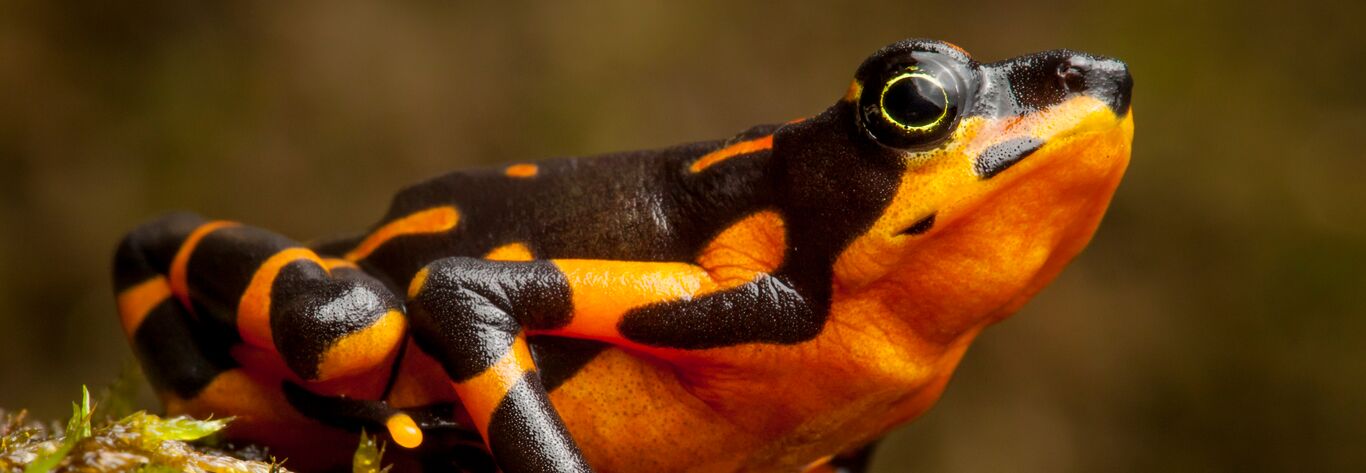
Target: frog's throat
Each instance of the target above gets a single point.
(996, 240)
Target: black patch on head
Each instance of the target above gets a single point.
(1041, 80)
(1003, 155)
(527, 435)
(921, 226)
(1035, 80)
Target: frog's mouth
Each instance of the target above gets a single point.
(1058, 193)
(1021, 223)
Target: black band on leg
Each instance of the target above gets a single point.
(525, 422)
(174, 355)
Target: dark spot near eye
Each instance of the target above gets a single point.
(1004, 155)
(924, 225)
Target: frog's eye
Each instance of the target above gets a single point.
(911, 108)
(914, 101)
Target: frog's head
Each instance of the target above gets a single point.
(987, 178)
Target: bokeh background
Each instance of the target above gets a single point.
(1216, 322)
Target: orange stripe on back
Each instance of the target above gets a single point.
(510, 252)
(737, 149)
(433, 220)
(415, 284)
(137, 301)
(180, 285)
(521, 170)
(334, 263)
(253, 310)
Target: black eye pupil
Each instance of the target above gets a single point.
(912, 106)
(914, 101)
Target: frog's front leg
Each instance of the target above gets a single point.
(470, 314)
(473, 315)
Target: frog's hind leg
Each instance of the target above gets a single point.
(263, 295)
(220, 315)
(178, 356)
(198, 298)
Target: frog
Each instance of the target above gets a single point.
(775, 301)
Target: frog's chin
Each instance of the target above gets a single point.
(1084, 170)
(990, 255)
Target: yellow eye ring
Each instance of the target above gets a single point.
(914, 74)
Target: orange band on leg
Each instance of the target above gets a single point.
(482, 393)
(137, 301)
(180, 285)
(253, 310)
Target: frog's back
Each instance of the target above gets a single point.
(631, 206)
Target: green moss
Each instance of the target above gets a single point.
(368, 456)
(94, 441)
(137, 442)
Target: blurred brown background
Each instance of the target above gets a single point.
(1216, 322)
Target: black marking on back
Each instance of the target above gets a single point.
(824, 177)
(622, 206)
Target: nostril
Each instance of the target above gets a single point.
(1072, 74)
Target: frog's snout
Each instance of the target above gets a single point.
(1041, 80)
(1106, 79)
